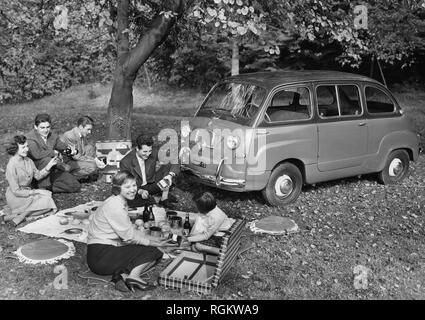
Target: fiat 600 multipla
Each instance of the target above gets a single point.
(276, 131)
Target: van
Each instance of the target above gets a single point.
(276, 131)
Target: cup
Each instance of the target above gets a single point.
(155, 231)
(170, 214)
(175, 222)
(165, 228)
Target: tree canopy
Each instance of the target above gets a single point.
(47, 46)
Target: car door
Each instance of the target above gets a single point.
(342, 127)
(287, 122)
(384, 116)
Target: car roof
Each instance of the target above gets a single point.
(270, 80)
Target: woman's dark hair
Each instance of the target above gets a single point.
(119, 179)
(13, 147)
(85, 120)
(42, 117)
(143, 140)
(205, 202)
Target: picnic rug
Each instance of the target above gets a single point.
(273, 225)
(46, 251)
(50, 226)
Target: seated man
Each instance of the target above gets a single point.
(43, 145)
(84, 163)
(141, 163)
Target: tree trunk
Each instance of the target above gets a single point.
(148, 77)
(372, 65)
(120, 106)
(235, 57)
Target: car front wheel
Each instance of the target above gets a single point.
(396, 167)
(284, 185)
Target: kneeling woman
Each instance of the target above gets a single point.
(115, 247)
(20, 171)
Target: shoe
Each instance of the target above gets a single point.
(134, 284)
(93, 177)
(84, 179)
(16, 224)
(120, 285)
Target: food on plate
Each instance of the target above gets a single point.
(73, 231)
(81, 214)
(63, 221)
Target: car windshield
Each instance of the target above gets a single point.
(237, 102)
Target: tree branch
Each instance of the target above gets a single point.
(154, 37)
(123, 42)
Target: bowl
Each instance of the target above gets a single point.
(155, 231)
(170, 214)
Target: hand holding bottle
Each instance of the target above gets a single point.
(54, 161)
(143, 193)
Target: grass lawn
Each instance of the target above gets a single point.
(342, 223)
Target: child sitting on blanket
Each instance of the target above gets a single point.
(205, 234)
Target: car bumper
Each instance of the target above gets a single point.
(215, 178)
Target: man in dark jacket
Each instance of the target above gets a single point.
(43, 145)
(142, 163)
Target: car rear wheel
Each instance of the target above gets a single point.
(284, 185)
(396, 167)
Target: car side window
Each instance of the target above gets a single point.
(377, 101)
(327, 101)
(339, 100)
(289, 104)
(349, 100)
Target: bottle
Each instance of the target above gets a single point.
(175, 238)
(186, 226)
(151, 216)
(146, 214)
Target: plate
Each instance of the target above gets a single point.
(73, 231)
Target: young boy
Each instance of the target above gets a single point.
(205, 234)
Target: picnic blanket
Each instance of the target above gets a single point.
(51, 227)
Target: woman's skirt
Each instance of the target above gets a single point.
(104, 259)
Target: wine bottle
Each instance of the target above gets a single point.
(186, 226)
(146, 214)
(151, 215)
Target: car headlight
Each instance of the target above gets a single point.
(233, 142)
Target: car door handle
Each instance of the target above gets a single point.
(361, 124)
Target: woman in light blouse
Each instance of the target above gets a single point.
(115, 247)
(20, 171)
